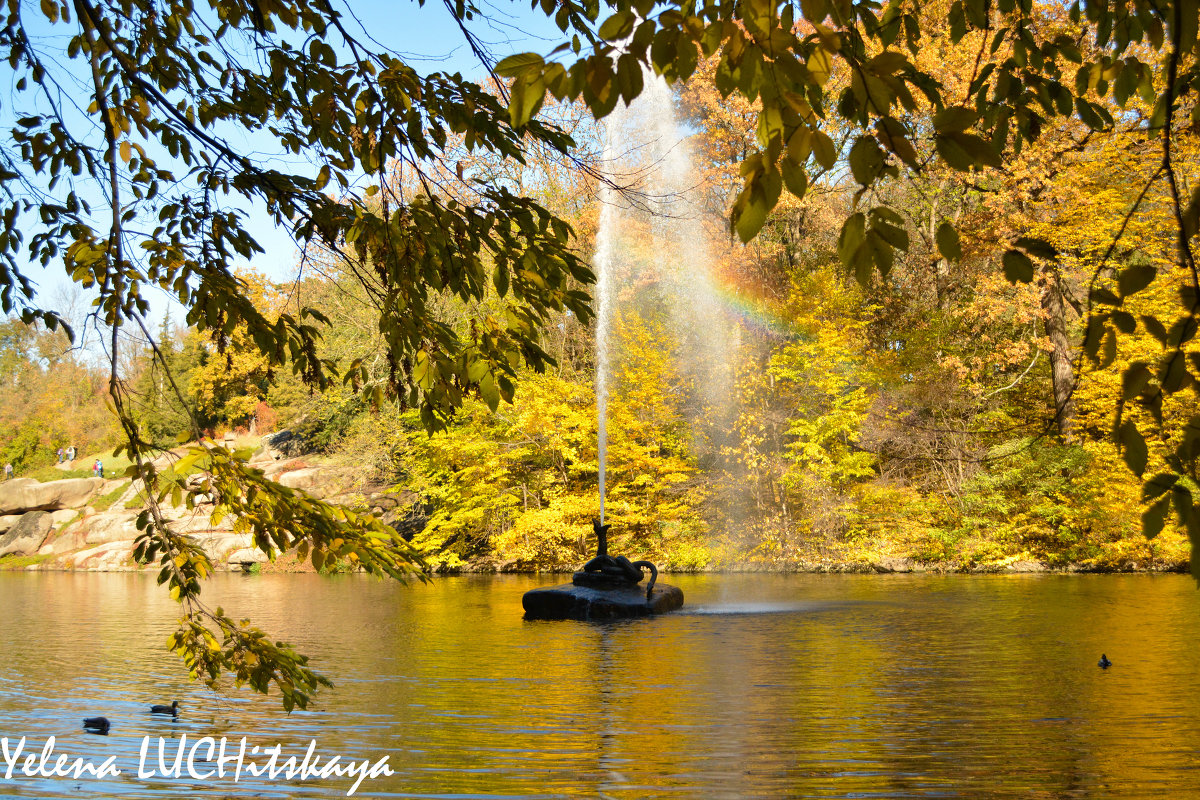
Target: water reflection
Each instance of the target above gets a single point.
(767, 686)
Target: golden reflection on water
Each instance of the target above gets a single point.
(764, 686)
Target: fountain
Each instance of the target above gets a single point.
(606, 588)
(644, 147)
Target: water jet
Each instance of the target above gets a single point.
(648, 196)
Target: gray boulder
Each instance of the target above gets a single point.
(26, 537)
(306, 478)
(893, 564)
(247, 555)
(280, 446)
(25, 494)
(65, 543)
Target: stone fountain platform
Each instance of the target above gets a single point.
(595, 597)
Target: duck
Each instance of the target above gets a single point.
(172, 709)
(96, 725)
(1104, 662)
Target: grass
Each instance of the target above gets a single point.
(105, 502)
(21, 562)
(114, 466)
(47, 474)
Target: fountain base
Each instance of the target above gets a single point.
(598, 597)
(606, 588)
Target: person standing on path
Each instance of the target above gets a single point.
(7, 471)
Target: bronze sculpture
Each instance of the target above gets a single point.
(608, 569)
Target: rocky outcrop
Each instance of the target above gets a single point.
(69, 534)
(26, 537)
(25, 494)
(108, 557)
(118, 526)
(327, 482)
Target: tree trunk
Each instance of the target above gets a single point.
(1062, 368)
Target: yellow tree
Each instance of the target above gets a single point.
(235, 375)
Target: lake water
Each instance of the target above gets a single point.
(762, 686)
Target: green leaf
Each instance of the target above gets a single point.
(528, 92)
(749, 213)
(618, 26)
(1174, 376)
(1154, 517)
(1123, 321)
(954, 119)
(820, 66)
(1181, 499)
(1189, 15)
(1017, 267)
(1088, 114)
(489, 392)
(892, 135)
(953, 154)
(947, 242)
(1037, 247)
(1182, 332)
(477, 370)
(1133, 447)
(421, 371)
(866, 160)
(889, 226)
(979, 151)
(1155, 328)
(1135, 379)
(852, 240)
(823, 149)
(1158, 485)
(1096, 327)
(795, 178)
(1135, 278)
(814, 10)
(520, 63)
(1191, 215)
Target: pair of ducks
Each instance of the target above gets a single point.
(101, 724)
